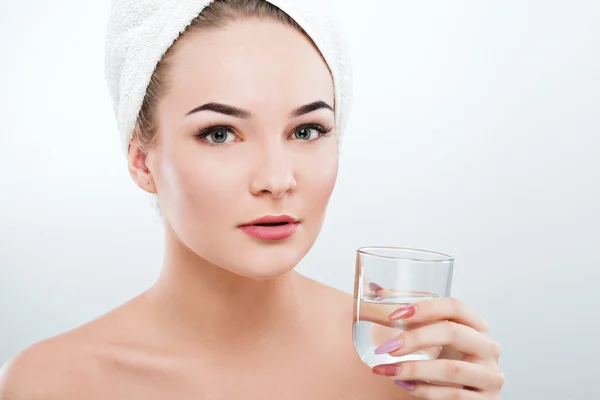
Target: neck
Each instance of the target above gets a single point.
(196, 299)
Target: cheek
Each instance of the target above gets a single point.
(316, 180)
(199, 188)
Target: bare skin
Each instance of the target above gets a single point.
(135, 352)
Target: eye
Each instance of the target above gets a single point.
(217, 135)
(309, 132)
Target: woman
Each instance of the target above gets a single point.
(237, 136)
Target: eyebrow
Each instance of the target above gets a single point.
(308, 108)
(245, 114)
(223, 109)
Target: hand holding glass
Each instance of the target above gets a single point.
(388, 279)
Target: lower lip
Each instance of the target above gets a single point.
(278, 232)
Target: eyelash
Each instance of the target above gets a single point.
(323, 132)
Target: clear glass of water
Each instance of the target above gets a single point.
(388, 278)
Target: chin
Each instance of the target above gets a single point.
(265, 260)
(268, 261)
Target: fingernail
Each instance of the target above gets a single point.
(404, 312)
(408, 385)
(374, 287)
(386, 369)
(390, 346)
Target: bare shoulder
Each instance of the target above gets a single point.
(44, 370)
(65, 366)
(330, 299)
(331, 312)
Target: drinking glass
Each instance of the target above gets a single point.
(388, 278)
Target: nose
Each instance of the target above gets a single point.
(273, 175)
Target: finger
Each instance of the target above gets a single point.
(378, 310)
(375, 290)
(377, 313)
(439, 309)
(428, 391)
(446, 333)
(444, 372)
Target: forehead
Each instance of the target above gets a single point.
(249, 63)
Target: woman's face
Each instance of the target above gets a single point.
(260, 143)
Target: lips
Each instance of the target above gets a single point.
(271, 227)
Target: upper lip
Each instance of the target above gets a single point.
(272, 219)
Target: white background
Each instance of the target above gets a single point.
(475, 131)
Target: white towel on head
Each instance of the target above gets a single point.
(141, 31)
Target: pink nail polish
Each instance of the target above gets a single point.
(386, 369)
(374, 287)
(408, 385)
(403, 313)
(390, 346)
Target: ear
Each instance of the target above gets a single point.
(138, 167)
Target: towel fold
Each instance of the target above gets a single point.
(140, 32)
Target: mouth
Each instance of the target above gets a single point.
(271, 227)
(272, 220)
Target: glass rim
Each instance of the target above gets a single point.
(367, 250)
